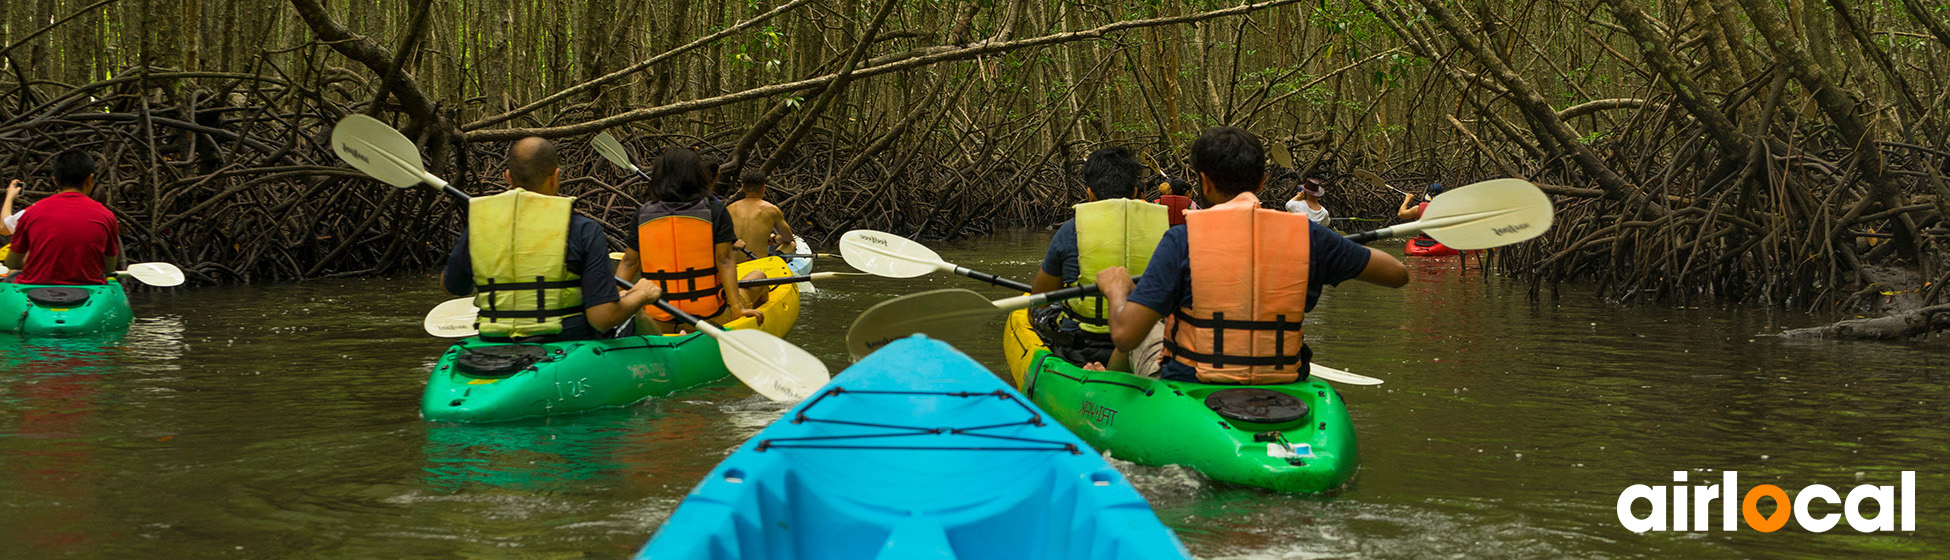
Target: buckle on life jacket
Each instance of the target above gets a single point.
(1256, 406)
(58, 296)
(499, 361)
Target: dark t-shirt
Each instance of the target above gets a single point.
(1061, 259)
(721, 226)
(1335, 260)
(66, 238)
(587, 255)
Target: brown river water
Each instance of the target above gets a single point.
(282, 421)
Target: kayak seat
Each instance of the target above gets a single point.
(1421, 242)
(499, 361)
(58, 296)
(1257, 406)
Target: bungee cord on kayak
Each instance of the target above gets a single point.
(803, 415)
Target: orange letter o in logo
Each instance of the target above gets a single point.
(1750, 510)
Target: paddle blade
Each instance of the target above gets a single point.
(1492, 213)
(885, 254)
(379, 151)
(613, 151)
(1339, 376)
(453, 318)
(771, 366)
(158, 274)
(938, 314)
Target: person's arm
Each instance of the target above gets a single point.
(1409, 210)
(112, 261)
(631, 267)
(728, 278)
(1049, 276)
(22, 244)
(7, 206)
(1129, 323)
(458, 277)
(606, 316)
(1044, 282)
(1384, 270)
(783, 230)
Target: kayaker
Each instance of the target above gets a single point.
(1235, 314)
(68, 238)
(1112, 229)
(545, 276)
(1410, 211)
(1175, 203)
(1307, 202)
(683, 242)
(758, 223)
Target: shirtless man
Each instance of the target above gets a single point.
(760, 224)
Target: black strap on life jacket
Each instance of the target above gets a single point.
(1102, 319)
(1219, 325)
(541, 287)
(689, 277)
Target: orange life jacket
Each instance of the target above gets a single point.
(674, 242)
(1249, 294)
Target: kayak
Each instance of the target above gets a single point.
(480, 381)
(915, 451)
(1295, 437)
(40, 310)
(803, 265)
(1425, 247)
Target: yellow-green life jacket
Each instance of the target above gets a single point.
(517, 240)
(1116, 232)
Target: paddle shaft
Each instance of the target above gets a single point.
(1408, 229)
(993, 279)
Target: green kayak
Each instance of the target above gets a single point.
(1295, 437)
(36, 310)
(480, 381)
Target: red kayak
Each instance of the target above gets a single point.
(1426, 247)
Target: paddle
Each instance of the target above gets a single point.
(1482, 215)
(805, 255)
(1374, 179)
(158, 274)
(771, 366)
(455, 318)
(892, 256)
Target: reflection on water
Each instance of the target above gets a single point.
(282, 421)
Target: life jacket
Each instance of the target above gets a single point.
(517, 241)
(677, 252)
(1423, 239)
(1176, 205)
(1249, 294)
(1116, 232)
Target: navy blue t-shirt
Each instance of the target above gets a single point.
(1061, 260)
(1335, 260)
(587, 255)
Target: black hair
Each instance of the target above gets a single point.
(753, 178)
(1180, 187)
(680, 176)
(73, 167)
(1232, 157)
(1112, 173)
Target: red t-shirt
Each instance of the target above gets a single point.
(66, 237)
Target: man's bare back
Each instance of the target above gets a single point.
(755, 221)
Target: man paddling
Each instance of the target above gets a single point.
(1113, 229)
(541, 269)
(758, 224)
(1410, 211)
(68, 238)
(1236, 279)
(683, 242)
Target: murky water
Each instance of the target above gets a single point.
(282, 421)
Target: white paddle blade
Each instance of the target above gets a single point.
(771, 366)
(613, 151)
(379, 151)
(453, 318)
(1492, 213)
(885, 254)
(799, 246)
(938, 314)
(1340, 376)
(158, 274)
